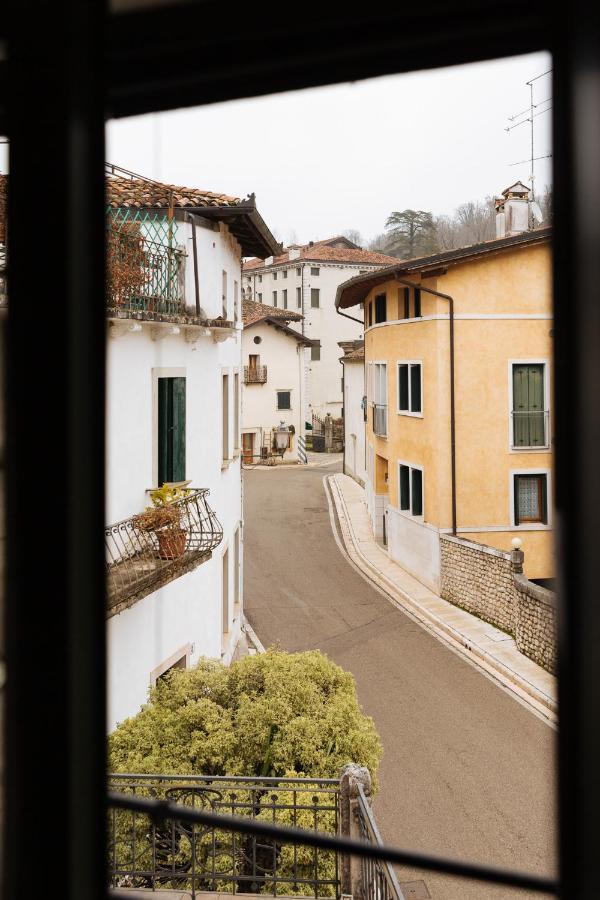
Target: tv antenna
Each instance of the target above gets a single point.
(528, 115)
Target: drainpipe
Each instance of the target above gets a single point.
(450, 300)
(192, 219)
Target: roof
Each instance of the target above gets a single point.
(323, 251)
(253, 312)
(355, 290)
(128, 191)
(355, 353)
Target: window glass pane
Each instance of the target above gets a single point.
(403, 387)
(415, 388)
(407, 303)
(274, 298)
(370, 308)
(530, 502)
(417, 293)
(404, 487)
(314, 297)
(417, 492)
(298, 297)
(315, 353)
(380, 308)
(283, 400)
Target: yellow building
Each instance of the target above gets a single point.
(458, 350)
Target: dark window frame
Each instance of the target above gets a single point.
(380, 302)
(542, 489)
(289, 406)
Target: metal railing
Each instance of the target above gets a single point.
(255, 374)
(143, 275)
(174, 854)
(530, 428)
(379, 881)
(137, 557)
(380, 419)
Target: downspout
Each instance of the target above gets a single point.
(450, 300)
(344, 413)
(192, 220)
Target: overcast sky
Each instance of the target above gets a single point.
(324, 160)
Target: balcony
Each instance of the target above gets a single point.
(380, 419)
(530, 429)
(140, 559)
(255, 374)
(176, 855)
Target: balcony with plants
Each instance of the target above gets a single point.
(174, 535)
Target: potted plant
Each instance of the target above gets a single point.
(164, 519)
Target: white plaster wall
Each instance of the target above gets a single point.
(284, 358)
(415, 546)
(354, 424)
(217, 251)
(188, 609)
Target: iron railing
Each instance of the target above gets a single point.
(174, 854)
(138, 558)
(255, 374)
(145, 265)
(380, 419)
(378, 879)
(530, 429)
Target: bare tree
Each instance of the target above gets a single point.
(355, 236)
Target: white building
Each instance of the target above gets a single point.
(355, 418)
(173, 415)
(273, 383)
(305, 279)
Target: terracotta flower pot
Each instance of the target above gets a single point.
(171, 542)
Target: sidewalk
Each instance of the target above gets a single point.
(484, 645)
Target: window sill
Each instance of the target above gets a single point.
(413, 415)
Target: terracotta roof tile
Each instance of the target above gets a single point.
(320, 251)
(140, 194)
(253, 312)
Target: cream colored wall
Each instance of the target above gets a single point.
(510, 284)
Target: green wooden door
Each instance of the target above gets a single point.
(528, 405)
(171, 430)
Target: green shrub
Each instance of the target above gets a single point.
(268, 714)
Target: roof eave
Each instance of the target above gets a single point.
(246, 223)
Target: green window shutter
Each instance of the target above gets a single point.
(416, 492)
(528, 405)
(415, 388)
(404, 487)
(178, 472)
(164, 461)
(403, 387)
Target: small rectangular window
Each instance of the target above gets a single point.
(370, 309)
(417, 296)
(403, 388)
(314, 298)
(285, 273)
(284, 399)
(274, 298)
(315, 352)
(225, 417)
(380, 308)
(260, 278)
(314, 270)
(409, 387)
(406, 303)
(284, 299)
(298, 270)
(171, 429)
(236, 300)
(299, 297)
(260, 298)
(224, 295)
(415, 388)
(531, 499)
(410, 489)
(274, 276)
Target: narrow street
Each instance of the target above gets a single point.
(467, 771)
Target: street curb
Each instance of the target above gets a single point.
(294, 467)
(527, 692)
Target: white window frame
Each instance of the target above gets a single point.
(237, 412)
(538, 361)
(407, 513)
(530, 526)
(408, 412)
(376, 395)
(226, 452)
(184, 653)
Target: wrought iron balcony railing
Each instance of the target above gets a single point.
(380, 419)
(179, 856)
(255, 374)
(139, 559)
(530, 429)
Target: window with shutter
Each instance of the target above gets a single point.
(417, 303)
(315, 298)
(528, 412)
(171, 430)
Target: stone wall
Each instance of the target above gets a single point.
(489, 583)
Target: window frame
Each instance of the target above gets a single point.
(316, 271)
(529, 525)
(407, 513)
(274, 298)
(380, 297)
(316, 347)
(409, 412)
(157, 373)
(283, 408)
(547, 446)
(316, 291)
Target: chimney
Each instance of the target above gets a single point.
(293, 253)
(269, 261)
(512, 210)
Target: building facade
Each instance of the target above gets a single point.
(355, 410)
(458, 350)
(273, 385)
(305, 279)
(173, 418)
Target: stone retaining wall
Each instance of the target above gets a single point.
(489, 583)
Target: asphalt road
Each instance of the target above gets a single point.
(467, 770)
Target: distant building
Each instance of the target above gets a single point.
(273, 384)
(355, 410)
(304, 279)
(488, 471)
(174, 370)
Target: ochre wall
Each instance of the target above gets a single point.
(512, 283)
